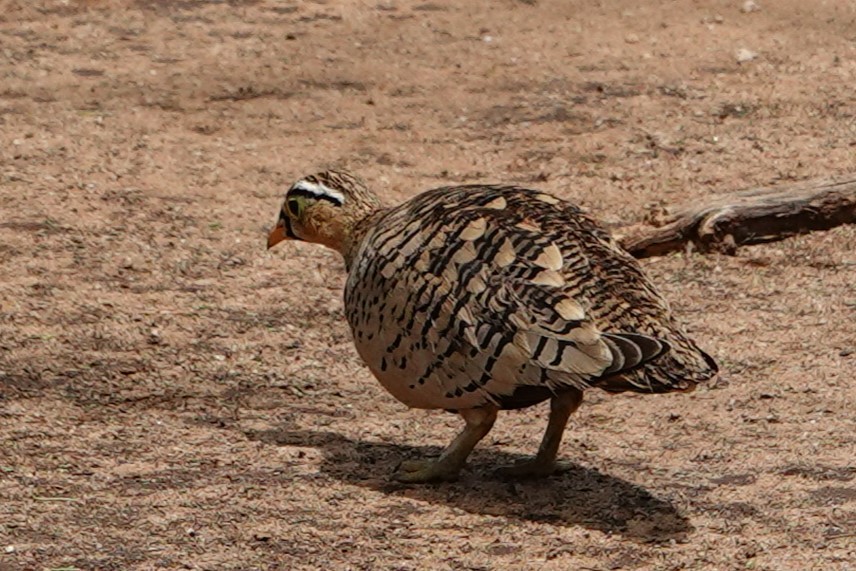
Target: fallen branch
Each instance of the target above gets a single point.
(751, 217)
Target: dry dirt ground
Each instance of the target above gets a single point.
(172, 396)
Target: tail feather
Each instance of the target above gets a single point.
(629, 350)
(679, 365)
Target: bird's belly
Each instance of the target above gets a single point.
(401, 377)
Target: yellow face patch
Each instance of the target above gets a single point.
(295, 205)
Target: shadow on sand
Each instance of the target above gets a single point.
(579, 496)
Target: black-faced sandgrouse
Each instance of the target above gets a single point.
(479, 298)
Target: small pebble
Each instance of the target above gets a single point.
(749, 6)
(744, 55)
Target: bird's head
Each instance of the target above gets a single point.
(323, 208)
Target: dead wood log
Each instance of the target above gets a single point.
(750, 217)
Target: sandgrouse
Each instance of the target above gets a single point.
(478, 298)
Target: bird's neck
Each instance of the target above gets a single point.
(356, 232)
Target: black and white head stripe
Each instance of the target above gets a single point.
(318, 191)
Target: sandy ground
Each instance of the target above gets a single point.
(172, 396)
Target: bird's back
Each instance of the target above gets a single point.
(466, 294)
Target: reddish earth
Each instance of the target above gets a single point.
(172, 396)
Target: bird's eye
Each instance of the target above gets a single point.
(293, 207)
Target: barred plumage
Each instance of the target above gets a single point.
(484, 297)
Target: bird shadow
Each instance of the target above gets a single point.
(578, 496)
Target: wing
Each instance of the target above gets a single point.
(529, 328)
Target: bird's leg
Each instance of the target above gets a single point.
(544, 463)
(451, 461)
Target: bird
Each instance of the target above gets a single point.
(485, 297)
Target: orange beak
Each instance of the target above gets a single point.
(279, 233)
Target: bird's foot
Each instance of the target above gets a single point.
(533, 468)
(425, 470)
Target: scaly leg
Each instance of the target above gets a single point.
(451, 461)
(544, 463)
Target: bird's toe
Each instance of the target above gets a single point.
(421, 471)
(417, 465)
(533, 468)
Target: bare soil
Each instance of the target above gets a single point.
(172, 396)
